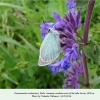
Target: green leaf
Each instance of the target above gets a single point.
(5, 76)
(8, 58)
(92, 51)
(95, 81)
(32, 47)
(81, 3)
(29, 15)
(30, 71)
(8, 84)
(10, 5)
(52, 7)
(9, 40)
(58, 6)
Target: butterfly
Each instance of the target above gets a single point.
(50, 48)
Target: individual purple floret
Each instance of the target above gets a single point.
(72, 76)
(59, 21)
(59, 66)
(55, 67)
(79, 66)
(72, 54)
(71, 4)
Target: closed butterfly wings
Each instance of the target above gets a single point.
(50, 48)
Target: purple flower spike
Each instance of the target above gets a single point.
(44, 28)
(67, 27)
(71, 4)
(71, 77)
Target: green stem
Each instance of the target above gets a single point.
(79, 36)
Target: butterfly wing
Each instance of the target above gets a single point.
(49, 50)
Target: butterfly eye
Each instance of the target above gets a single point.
(49, 30)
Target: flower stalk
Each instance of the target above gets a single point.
(86, 32)
(79, 36)
(88, 19)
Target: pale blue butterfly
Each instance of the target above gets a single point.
(50, 48)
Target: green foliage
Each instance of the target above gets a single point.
(20, 41)
(92, 51)
(56, 6)
(82, 3)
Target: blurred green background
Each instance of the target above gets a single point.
(20, 41)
